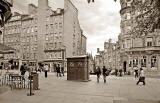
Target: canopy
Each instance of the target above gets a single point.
(5, 49)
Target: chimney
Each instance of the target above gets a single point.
(58, 10)
(43, 3)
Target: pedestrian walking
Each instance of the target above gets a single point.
(98, 72)
(116, 72)
(142, 77)
(58, 70)
(136, 72)
(22, 69)
(120, 72)
(104, 73)
(46, 68)
(62, 70)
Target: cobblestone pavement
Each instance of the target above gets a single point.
(58, 90)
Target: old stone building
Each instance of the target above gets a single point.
(99, 58)
(44, 35)
(140, 34)
(110, 56)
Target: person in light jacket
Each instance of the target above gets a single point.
(142, 77)
(46, 68)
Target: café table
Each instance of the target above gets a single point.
(17, 79)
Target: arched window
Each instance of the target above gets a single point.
(143, 61)
(135, 62)
(153, 61)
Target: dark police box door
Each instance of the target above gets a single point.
(77, 68)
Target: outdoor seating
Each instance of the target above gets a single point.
(17, 81)
(2, 78)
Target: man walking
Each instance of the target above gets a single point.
(98, 72)
(142, 77)
(104, 73)
(46, 70)
(58, 70)
(136, 72)
(22, 69)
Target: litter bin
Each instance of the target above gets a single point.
(35, 80)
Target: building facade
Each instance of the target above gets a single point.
(45, 35)
(140, 35)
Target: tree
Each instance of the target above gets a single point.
(90, 1)
(5, 12)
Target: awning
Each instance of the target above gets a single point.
(5, 49)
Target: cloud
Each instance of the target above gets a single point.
(100, 22)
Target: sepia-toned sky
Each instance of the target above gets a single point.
(99, 20)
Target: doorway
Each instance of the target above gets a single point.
(124, 66)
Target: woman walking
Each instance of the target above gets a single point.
(98, 72)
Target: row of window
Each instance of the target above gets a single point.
(53, 37)
(51, 46)
(143, 62)
(11, 39)
(29, 38)
(10, 56)
(138, 42)
(29, 48)
(29, 56)
(13, 30)
(29, 30)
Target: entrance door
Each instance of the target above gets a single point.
(124, 66)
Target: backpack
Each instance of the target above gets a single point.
(107, 73)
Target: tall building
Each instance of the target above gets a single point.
(140, 34)
(45, 35)
(111, 55)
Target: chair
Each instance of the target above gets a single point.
(2, 78)
(16, 81)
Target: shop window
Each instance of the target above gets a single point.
(153, 61)
(130, 63)
(149, 44)
(135, 62)
(128, 16)
(143, 61)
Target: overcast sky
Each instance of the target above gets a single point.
(99, 20)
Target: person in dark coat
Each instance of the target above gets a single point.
(22, 69)
(116, 72)
(136, 72)
(46, 68)
(120, 72)
(98, 72)
(58, 70)
(104, 73)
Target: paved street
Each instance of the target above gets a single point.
(58, 90)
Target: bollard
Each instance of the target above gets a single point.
(30, 85)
